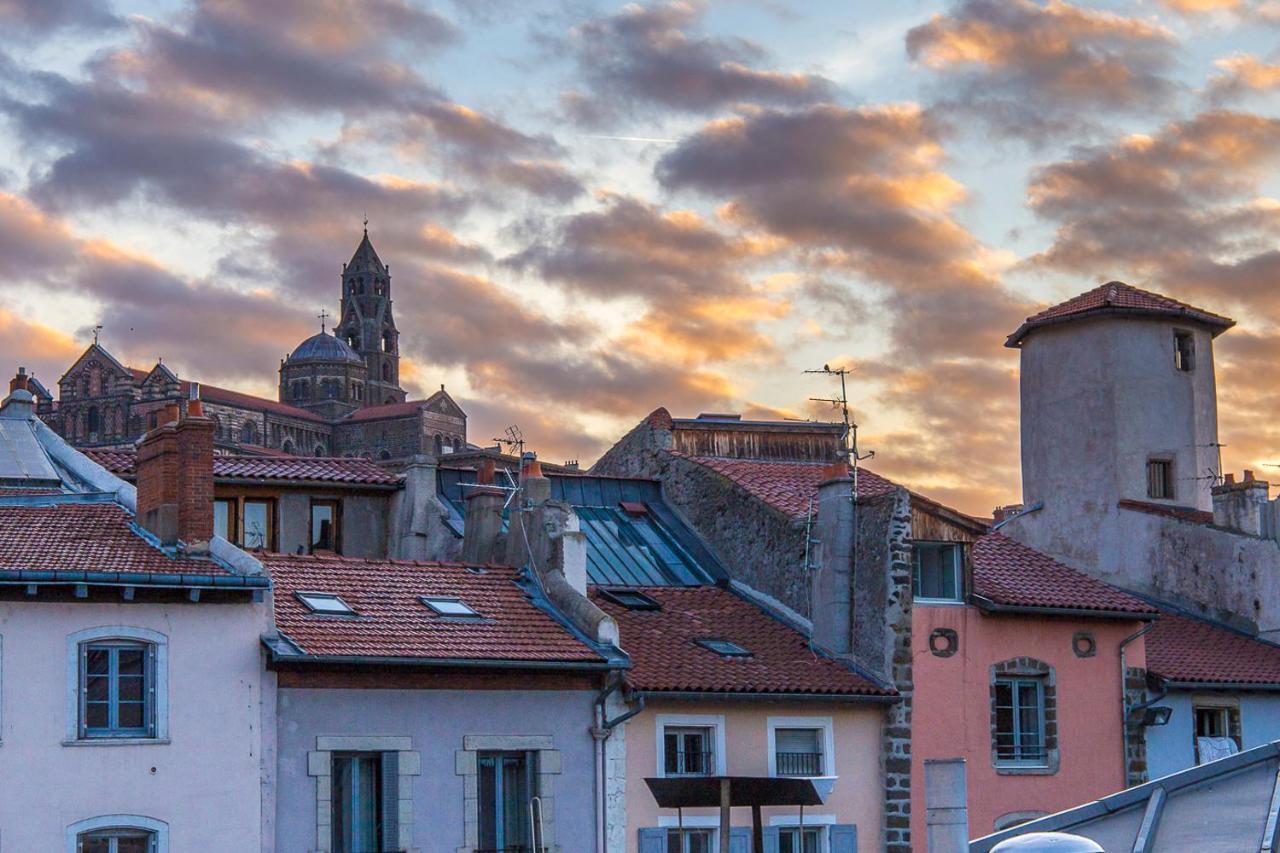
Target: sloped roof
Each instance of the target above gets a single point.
(666, 657)
(1010, 574)
(1188, 649)
(1181, 513)
(1116, 297)
(785, 486)
(214, 394)
(323, 469)
(387, 410)
(391, 621)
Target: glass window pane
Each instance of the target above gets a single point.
(131, 715)
(96, 715)
(488, 789)
(131, 661)
(95, 844)
(257, 524)
(98, 660)
(131, 688)
(515, 802)
(356, 807)
(222, 519)
(322, 526)
(137, 844)
(671, 752)
(97, 688)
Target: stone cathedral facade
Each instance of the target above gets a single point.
(339, 394)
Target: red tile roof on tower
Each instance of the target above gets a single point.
(391, 621)
(785, 486)
(323, 469)
(1011, 574)
(1186, 649)
(666, 657)
(86, 537)
(1116, 297)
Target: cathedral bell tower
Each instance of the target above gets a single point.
(367, 326)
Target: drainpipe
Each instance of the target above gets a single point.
(1124, 703)
(601, 733)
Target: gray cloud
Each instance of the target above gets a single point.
(41, 17)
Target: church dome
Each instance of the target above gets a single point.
(324, 347)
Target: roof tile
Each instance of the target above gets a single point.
(353, 470)
(785, 486)
(1184, 648)
(1117, 296)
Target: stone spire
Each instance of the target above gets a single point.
(367, 325)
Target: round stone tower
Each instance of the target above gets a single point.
(324, 375)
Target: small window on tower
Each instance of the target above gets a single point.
(1160, 479)
(1184, 351)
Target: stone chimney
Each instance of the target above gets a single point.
(545, 535)
(483, 527)
(175, 479)
(833, 581)
(1244, 506)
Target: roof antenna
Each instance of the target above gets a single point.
(515, 441)
(849, 451)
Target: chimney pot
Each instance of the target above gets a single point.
(1248, 475)
(485, 473)
(20, 381)
(195, 409)
(1229, 480)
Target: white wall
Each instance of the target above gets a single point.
(204, 783)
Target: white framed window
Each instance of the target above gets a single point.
(801, 746)
(936, 572)
(695, 834)
(690, 745)
(118, 833)
(117, 686)
(1019, 724)
(817, 833)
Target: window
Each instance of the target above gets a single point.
(687, 751)
(726, 648)
(357, 802)
(1019, 723)
(117, 689)
(1160, 479)
(122, 840)
(1217, 731)
(631, 599)
(224, 518)
(258, 525)
(694, 841)
(798, 752)
(795, 839)
(95, 421)
(448, 606)
(506, 785)
(1184, 351)
(935, 575)
(325, 602)
(324, 526)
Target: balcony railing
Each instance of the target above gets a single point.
(799, 763)
(689, 764)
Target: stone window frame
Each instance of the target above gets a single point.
(159, 644)
(1234, 718)
(467, 765)
(119, 821)
(320, 765)
(1028, 667)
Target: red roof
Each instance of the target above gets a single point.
(355, 471)
(666, 657)
(391, 621)
(1011, 574)
(1182, 513)
(785, 486)
(85, 537)
(1117, 297)
(214, 394)
(1182, 648)
(388, 410)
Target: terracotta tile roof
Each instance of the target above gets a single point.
(1183, 648)
(785, 486)
(665, 656)
(1182, 513)
(354, 471)
(389, 410)
(214, 394)
(85, 537)
(392, 622)
(10, 491)
(1116, 297)
(1012, 574)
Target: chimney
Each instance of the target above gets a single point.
(833, 580)
(1243, 506)
(483, 525)
(175, 479)
(1004, 513)
(545, 535)
(20, 381)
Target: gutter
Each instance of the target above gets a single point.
(988, 606)
(312, 484)
(729, 696)
(471, 663)
(1221, 685)
(157, 579)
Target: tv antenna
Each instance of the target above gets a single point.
(515, 443)
(850, 449)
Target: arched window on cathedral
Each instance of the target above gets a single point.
(94, 422)
(386, 371)
(287, 447)
(249, 433)
(384, 455)
(387, 344)
(356, 391)
(353, 340)
(319, 450)
(439, 442)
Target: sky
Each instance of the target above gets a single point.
(592, 209)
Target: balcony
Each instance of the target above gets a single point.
(690, 764)
(798, 763)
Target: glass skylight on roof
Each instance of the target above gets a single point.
(632, 599)
(724, 647)
(325, 602)
(448, 606)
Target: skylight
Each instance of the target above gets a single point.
(632, 599)
(448, 605)
(325, 602)
(727, 648)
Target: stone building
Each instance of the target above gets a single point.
(339, 394)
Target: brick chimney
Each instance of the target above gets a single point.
(175, 479)
(483, 526)
(1243, 506)
(20, 381)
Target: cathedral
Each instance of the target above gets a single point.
(339, 393)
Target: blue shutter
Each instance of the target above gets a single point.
(390, 804)
(772, 839)
(739, 840)
(653, 841)
(844, 838)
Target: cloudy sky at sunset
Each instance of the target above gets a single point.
(592, 209)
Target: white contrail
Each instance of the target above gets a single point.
(630, 138)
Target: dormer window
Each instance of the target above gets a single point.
(1184, 351)
(325, 603)
(449, 606)
(936, 573)
(724, 648)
